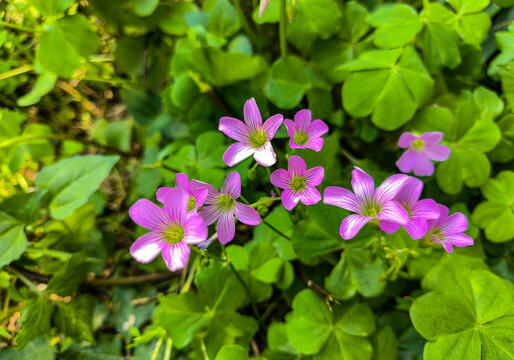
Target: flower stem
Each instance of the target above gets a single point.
(245, 286)
(265, 222)
(283, 29)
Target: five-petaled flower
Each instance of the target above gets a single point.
(196, 197)
(419, 211)
(172, 230)
(421, 150)
(304, 133)
(222, 206)
(368, 203)
(298, 182)
(253, 137)
(448, 230)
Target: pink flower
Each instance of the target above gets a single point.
(298, 182)
(253, 137)
(172, 230)
(448, 230)
(196, 197)
(419, 211)
(304, 133)
(223, 207)
(420, 151)
(368, 203)
(262, 7)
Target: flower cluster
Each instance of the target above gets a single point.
(189, 207)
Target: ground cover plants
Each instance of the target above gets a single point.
(283, 179)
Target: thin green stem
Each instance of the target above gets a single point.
(26, 281)
(283, 29)
(15, 72)
(167, 351)
(265, 222)
(18, 27)
(245, 286)
(349, 156)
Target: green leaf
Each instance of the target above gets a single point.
(35, 321)
(75, 320)
(310, 241)
(504, 151)
(287, 83)
(142, 106)
(505, 43)
(144, 7)
(43, 85)
(489, 305)
(232, 352)
(496, 214)
(385, 346)
(64, 43)
(13, 241)
(497, 339)
(507, 79)
(396, 25)
(223, 20)
(71, 182)
(51, 7)
(321, 16)
(388, 84)
(39, 349)
(489, 104)
(472, 24)
(69, 277)
(175, 21)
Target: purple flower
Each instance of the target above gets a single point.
(253, 137)
(420, 151)
(223, 207)
(172, 230)
(196, 197)
(419, 211)
(304, 133)
(448, 230)
(298, 182)
(368, 203)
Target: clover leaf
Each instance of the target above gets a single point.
(496, 214)
(471, 23)
(387, 84)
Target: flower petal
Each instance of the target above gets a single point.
(290, 199)
(456, 223)
(432, 138)
(363, 185)
(175, 205)
(351, 225)
(315, 144)
(148, 215)
(423, 166)
(302, 119)
(232, 185)
(416, 227)
(210, 214)
(195, 230)
(162, 193)
(212, 193)
(437, 152)
(315, 176)
(425, 209)
(234, 128)
(317, 128)
(296, 166)
(147, 247)
(393, 212)
(291, 127)
(262, 7)
(280, 178)
(252, 115)
(389, 227)
(447, 246)
(406, 139)
(409, 192)
(389, 188)
(236, 153)
(309, 196)
(459, 240)
(272, 124)
(176, 256)
(342, 198)
(265, 156)
(182, 182)
(406, 162)
(200, 195)
(246, 214)
(226, 227)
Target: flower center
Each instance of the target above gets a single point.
(301, 138)
(371, 212)
(298, 183)
(225, 202)
(438, 235)
(418, 144)
(258, 138)
(174, 234)
(191, 204)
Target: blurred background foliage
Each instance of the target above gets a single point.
(103, 101)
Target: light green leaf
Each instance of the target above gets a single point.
(472, 24)
(70, 182)
(35, 321)
(13, 241)
(51, 7)
(75, 320)
(68, 278)
(287, 83)
(322, 16)
(232, 352)
(144, 7)
(223, 20)
(43, 85)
